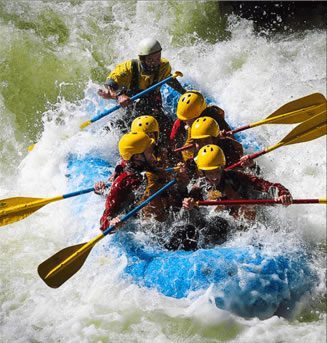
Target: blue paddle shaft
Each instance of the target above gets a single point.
(101, 115)
(143, 204)
(83, 191)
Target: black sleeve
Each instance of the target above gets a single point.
(112, 84)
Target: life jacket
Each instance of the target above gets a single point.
(153, 97)
(230, 189)
(158, 208)
(229, 193)
(233, 150)
(156, 179)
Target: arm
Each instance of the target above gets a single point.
(119, 197)
(274, 190)
(118, 82)
(194, 195)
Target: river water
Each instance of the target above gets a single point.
(53, 57)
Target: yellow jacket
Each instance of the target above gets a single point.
(121, 76)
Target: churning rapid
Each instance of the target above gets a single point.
(54, 57)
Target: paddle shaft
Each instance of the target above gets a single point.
(258, 202)
(137, 96)
(278, 119)
(84, 191)
(306, 131)
(185, 147)
(143, 204)
(84, 250)
(38, 203)
(291, 113)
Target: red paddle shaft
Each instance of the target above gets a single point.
(254, 202)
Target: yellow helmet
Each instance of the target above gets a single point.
(210, 157)
(147, 124)
(134, 143)
(190, 105)
(204, 127)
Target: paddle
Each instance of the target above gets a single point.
(258, 202)
(88, 122)
(293, 112)
(307, 131)
(14, 209)
(115, 108)
(64, 264)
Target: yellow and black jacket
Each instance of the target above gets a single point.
(129, 77)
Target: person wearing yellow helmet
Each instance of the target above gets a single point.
(135, 75)
(191, 106)
(136, 149)
(205, 130)
(148, 125)
(231, 185)
(132, 184)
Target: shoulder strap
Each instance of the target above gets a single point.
(135, 77)
(156, 76)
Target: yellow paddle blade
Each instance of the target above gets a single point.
(64, 264)
(299, 110)
(308, 130)
(15, 209)
(14, 217)
(31, 147)
(5, 203)
(57, 279)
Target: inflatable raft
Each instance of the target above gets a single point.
(245, 280)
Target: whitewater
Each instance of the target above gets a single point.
(54, 57)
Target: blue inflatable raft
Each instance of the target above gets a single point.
(245, 280)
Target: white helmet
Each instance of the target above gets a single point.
(149, 46)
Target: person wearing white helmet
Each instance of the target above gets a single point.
(135, 75)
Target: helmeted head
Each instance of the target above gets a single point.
(148, 46)
(147, 124)
(149, 52)
(134, 143)
(190, 105)
(204, 127)
(210, 157)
